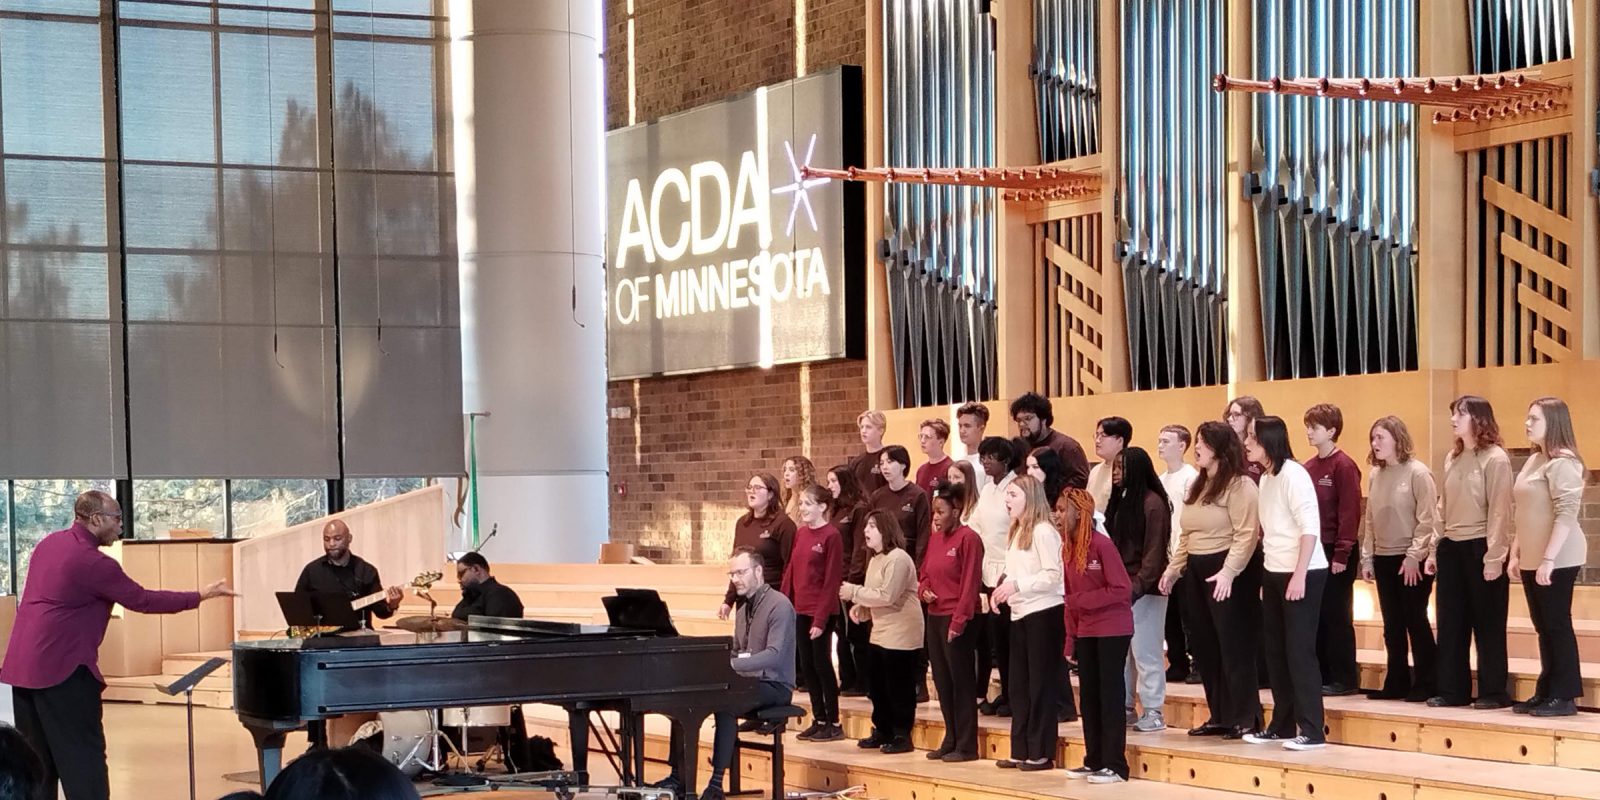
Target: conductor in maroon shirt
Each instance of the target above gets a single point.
(53, 660)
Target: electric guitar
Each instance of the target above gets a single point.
(418, 586)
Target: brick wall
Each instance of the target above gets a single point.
(692, 442)
(691, 52)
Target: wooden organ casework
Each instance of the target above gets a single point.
(1227, 197)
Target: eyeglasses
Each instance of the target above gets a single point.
(1026, 419)
(117, 514)
(734, 573)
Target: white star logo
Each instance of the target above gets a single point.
(800, 186)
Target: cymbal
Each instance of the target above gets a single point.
(430, 624)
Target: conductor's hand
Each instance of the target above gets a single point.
(218, 589)
(392, 596)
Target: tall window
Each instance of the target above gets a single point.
(41, 507)
(227, 257)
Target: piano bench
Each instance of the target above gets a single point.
(771, 714)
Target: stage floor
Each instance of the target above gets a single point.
(147, 756)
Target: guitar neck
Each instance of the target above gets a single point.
(371, 599)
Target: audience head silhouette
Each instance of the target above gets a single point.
(21, 772)
(350, 773)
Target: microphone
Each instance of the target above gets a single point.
(492, 531)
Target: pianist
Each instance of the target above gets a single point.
(481, 594)
(53, 662)
(342, 571)
(763, 646)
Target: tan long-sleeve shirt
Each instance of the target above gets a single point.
(1402, 513)
(1477, 499)
(1228, 523)
(1549, 492)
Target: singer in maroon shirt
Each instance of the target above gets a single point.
(951, 579)
(53, 662)
(1338, 483)
(811, 582)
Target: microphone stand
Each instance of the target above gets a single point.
(186, 685)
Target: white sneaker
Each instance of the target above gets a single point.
(1263, 737)
(1078, 773)
(1151, 722)
(1304, 743)
(1105, 776)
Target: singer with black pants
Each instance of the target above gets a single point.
(1472, 592)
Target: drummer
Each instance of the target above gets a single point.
(481, 594)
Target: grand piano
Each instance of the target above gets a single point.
(281, 684)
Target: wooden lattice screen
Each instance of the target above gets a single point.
(1524, 298)
(1068, 260)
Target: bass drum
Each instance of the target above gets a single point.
(402, 731)
(477, 717)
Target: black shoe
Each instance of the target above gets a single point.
(671, 783)
(1440, 701)
(750, 725)
(1194, 678)
(1388, 694)
(1176, 674)
(770, 728)
(1006, 763)
(830, 732)
(1554, 707)
(922, 693)
(898, 744)
(1208, 729)
(956, 758)
(986, 708)
(1066, 716)
(712, 794)
(1419, 694)
(1237, 733)
(1527, 705)
(872, 742)
(935, 755)
(852, 692)
(1338, 690)
(806, 734)
(1492, 703)
(1002, 710)
(1036, 766)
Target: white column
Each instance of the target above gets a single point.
(530, 213)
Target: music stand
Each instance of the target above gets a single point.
(186, 685)
(641, 609)
(318, 609)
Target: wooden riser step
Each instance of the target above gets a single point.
(149, 695)
(1524, 676)
(1413, 727)
(1337, 771)
(1521, 639)
(836, 765)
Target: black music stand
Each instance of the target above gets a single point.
(318, 609)
(186, 685)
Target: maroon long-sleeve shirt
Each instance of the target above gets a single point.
(772, 537)
(850, 521)
(816, 568)
(1100, 598)
(932, 472)
(911, 509)
(953, 571)
(1338, 482)
(1073, 460)
(66, 606)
